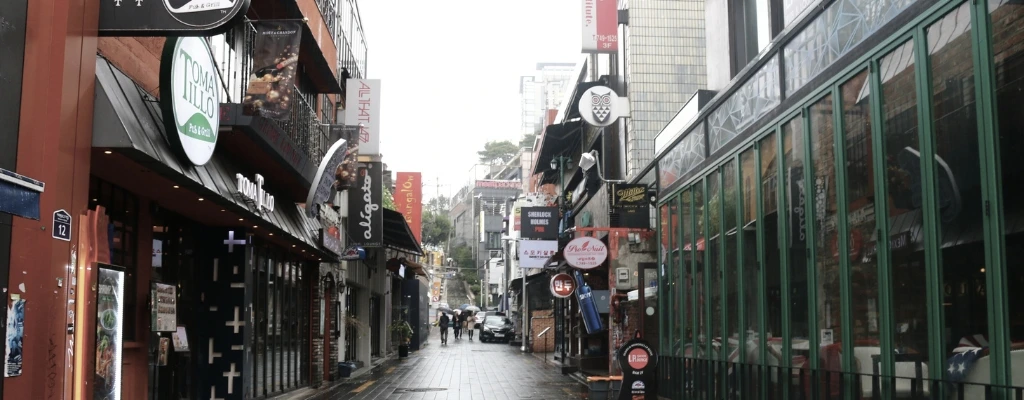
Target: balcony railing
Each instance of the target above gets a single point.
(329, 9)
(233, 54)
(689, 378)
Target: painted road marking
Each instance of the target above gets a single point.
(363, 387)
(390, 370)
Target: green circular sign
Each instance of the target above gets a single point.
(190, 86)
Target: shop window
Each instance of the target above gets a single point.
(751, 271)
(666, 280)
(714, 268)
(700, 273)
(903, 169)
(824, 228)
(1007, 27)
(733, 272)
(122, 208)
(687, 270)
(796, 236)
(769, 170)
(494, 242)
(860, 208)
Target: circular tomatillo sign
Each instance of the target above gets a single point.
(190, 97)
(585, 252)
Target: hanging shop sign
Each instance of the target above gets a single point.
(600, 106)
(275, 61)
(366, 213)
(362, 108)
(562, 285)
(337, 170)
(539, 223)
(164, 310)
(630, 206)
(588, 306)
(191, 104)
(409, 200)
(330, 230)
(535, 253)
(585, 252)
(19, 194)
(639, 363)
(600, 26)
(199, 18)
(109, 330)
(353, 253)
(263, 201)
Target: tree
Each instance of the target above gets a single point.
(498, 152)
(436, 228)
(389, 201)
(527, 140)
(439, 204)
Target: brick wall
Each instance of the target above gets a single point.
(541, 320)
(317, 351)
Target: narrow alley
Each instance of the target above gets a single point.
(462, 369)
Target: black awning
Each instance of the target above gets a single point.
(397, 234)
(558, 139)
(128, 119)
(516, 284)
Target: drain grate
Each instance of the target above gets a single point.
(419, 390)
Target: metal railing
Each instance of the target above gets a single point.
(233, 54)
(688, 378)
(329, 9)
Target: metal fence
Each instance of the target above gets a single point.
(329, 9)
(688, 378)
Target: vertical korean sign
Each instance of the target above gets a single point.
(109, 320)
(600, 26)
(410, 201)
(366, 213)
(362, 108)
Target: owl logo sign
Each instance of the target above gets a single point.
(600, 106)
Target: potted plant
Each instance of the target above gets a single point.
(403, 331)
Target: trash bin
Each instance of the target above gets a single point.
(604, 389)
(345, 369)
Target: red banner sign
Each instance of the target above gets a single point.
(409, 199)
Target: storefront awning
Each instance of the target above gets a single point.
(411, 267)
(128, 119)
(558, 139)
(397, 234)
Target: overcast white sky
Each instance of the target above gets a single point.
(449, 74)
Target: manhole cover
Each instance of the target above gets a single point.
(419, 390)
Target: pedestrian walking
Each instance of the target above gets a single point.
(442, 324)
(470, 324)
(457, 325)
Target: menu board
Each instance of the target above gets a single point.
(109, 320)
(163, 309)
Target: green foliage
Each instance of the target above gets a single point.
(436, 228)
(498, 152)
(439, 204)
(389, 201)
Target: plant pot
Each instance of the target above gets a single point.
(403, 350)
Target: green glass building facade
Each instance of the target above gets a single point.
(846, 220)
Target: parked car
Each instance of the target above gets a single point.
(496, 328)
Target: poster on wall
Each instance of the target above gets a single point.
(274, 62)
(109, 320)
(15, 337)
(165, 349)
(164, 310)
(180, 340)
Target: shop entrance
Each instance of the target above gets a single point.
(174, 263)
(327, 307)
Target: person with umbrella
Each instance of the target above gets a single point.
(442, 324)
(457, 324)
(470, 322)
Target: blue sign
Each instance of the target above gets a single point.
(62, 225)
(19, 194)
